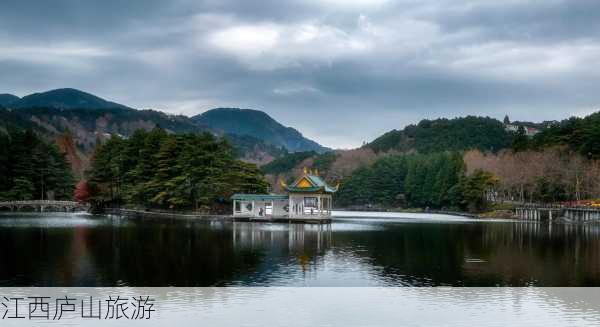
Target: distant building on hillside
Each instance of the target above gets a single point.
(514, 127)
(309, 197)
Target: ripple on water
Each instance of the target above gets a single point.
(52, 220)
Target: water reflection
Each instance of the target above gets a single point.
(299, 237)
(82, 250)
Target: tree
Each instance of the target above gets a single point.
(408, 180)
(31, 168)
(82, 191)
(23, 189)
(158, 170)
(520, 141)
(474, 189)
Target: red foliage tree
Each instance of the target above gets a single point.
(82, 191)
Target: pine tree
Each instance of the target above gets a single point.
(520, 141)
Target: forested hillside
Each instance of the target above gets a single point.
(456, 134)
(7, 99)
(253, 150)
(436, 181)
(287, 163)
(579, 134)
(66, 98)
(90, 119)
(426, 137)
(257, 124)
(560, 163)
(89, 127)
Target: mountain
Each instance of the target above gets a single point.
(253, 150)
(77, 121)
(85, 127)
(66, 98)
(8, 99)
(257, 124)
(483, 133)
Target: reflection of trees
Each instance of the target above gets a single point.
(295, 245)
(35, 256)
(162, 254)
(481, 254)
(544, 254)
(415, 254)
(157, 253)
(194, 253)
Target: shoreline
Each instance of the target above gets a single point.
(149, 214)
(143, 214)
(494, 214)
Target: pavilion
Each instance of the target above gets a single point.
(309, 197)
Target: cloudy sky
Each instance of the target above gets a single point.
(340, 71)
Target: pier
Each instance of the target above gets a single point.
(44, 205)
(549, 213)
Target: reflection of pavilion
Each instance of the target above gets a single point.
(298, 237)
(309, 199)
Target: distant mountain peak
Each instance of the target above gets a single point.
(257, 124)
(8, 99)
(65, 98)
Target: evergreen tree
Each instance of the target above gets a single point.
(520, 141)
(474, 188)
(157, 170)
(31, 168)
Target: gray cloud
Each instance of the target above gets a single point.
(342, 72)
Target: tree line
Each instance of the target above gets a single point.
(552, 174)
(31, 168)
(580, 135)
(458, 134)
(154, 169)
(436, 181)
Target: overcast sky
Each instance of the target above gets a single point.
(340, 71)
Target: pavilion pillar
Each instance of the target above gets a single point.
(320, 206)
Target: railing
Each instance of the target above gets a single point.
(554, 206)
(41, 202)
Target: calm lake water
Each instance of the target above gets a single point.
(365, 249)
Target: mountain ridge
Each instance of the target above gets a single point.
(89, 119)
(6, 99)
(257, 124)
(65, 98)
(221, 121)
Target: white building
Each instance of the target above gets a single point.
(308, 197)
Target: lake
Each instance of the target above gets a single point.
(357, 249)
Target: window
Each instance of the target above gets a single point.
(238, 206)
(268, 208)
(311, 202)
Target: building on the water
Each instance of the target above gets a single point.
(308, 197)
